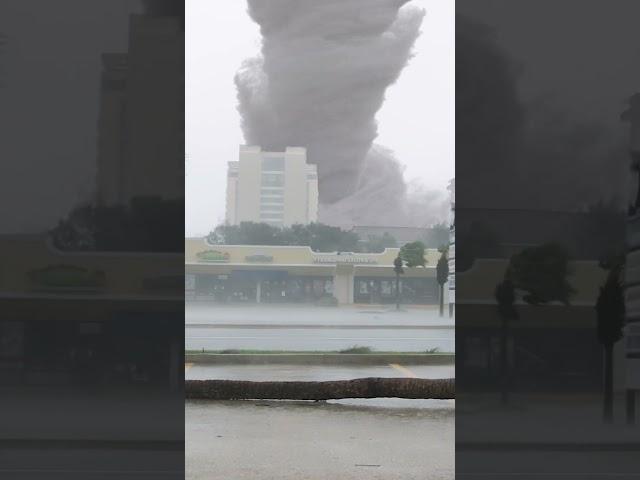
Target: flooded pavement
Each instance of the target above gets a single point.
(309, 440)
(212, 327)
(416, 340)
(199, 313)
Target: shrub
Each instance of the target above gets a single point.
(328, 301)
(357, 349)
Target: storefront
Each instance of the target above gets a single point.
(288, 274)
(383, 290)
(51, 342)
(242, 286)
(100, 319)
(550, 347)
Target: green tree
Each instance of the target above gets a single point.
(413, 254)
(247, 233)
(299, 235)
(320, 237)
(378, 243)
(610, 311)
(325, 238)
(542, 272)
(146, 224)
(442, 274)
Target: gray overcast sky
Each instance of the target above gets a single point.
(417, 120)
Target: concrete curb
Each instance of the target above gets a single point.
(306, 326)
(577, 446)
(151, 444)
(321, 359)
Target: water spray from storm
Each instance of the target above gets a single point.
(319, 82)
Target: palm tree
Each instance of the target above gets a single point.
(397, 267)
(442, 275)
(505, 295)
(610, 312)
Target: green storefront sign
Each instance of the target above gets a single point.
(67, 276)
(213, 256)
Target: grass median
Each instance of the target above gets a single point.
(355, 350)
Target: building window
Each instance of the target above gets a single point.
(271, 216)
(273, 164)
(272, 180)
(272, 207)
(276, 191)
(273, 199)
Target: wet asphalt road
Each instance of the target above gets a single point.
(319, 339)
(313, 328)
(198, 313)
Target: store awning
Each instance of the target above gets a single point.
(255, 275)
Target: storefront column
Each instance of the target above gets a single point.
(258, 291)
(445, 294)
(343, 284)
(176, 361)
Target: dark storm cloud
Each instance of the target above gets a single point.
(489, 115)
(321, 79)
(568, 79)
(163, 8)
(538, 143)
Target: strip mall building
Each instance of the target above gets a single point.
(294, 274)
(89, 317)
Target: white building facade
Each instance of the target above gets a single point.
(140, 120)
(278, 188)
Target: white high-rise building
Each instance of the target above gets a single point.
(279, 188)
(141, 120)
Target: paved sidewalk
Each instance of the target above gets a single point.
(570, 422)
(66, 414)
(312, 441)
